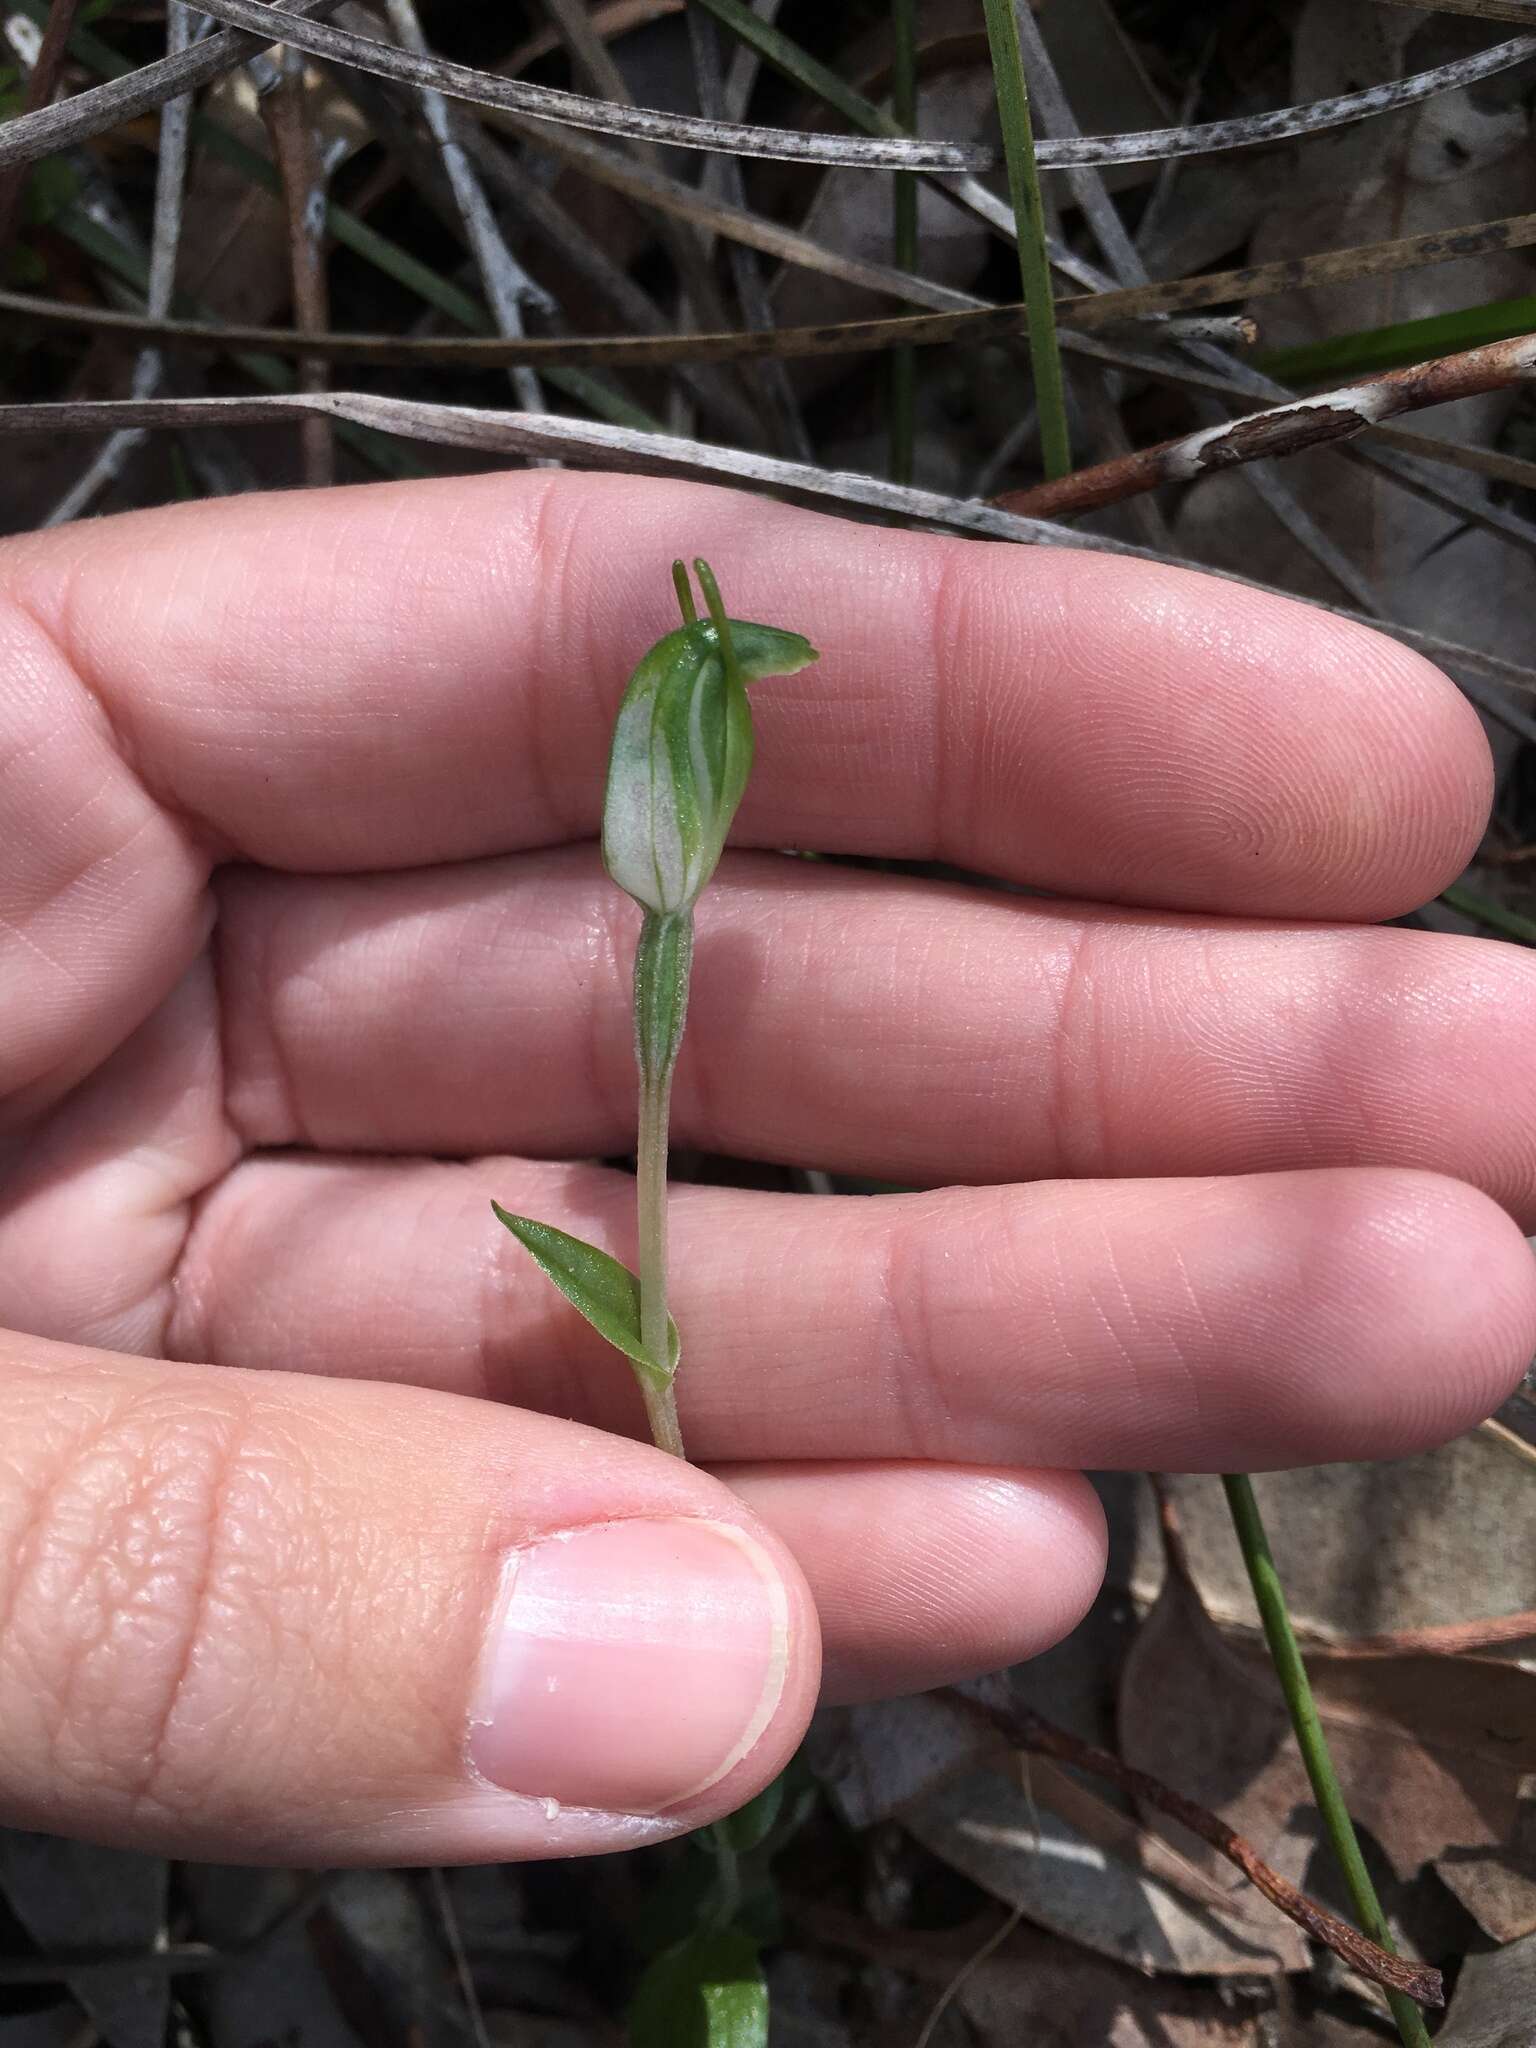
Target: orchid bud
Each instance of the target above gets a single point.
(682, 750)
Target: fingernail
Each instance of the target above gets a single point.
(631, 1665)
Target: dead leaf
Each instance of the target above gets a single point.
(1119, 1831)
(1038, 1838)
(69, 1895)
(1431, 1750)
(1029, 1857)
(1495, 2001)
(1035, 1992)
(1456, 159)
(851, 213)
(1432, 1541)
(1499, 1891)
(1066, 2002)
(278, 1993)
(233, 254)
(873, 1761)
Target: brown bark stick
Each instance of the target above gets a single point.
(40, 90)
(285, 109)
(1283, 429)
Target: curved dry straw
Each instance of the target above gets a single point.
(35, 135)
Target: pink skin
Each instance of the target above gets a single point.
(298, 797)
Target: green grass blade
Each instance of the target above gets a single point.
(1029, 219)
(904, 236)
(1409, 341)
(1482, 910)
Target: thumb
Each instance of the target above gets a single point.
(255, 1616)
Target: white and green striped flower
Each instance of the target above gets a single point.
(682, 751)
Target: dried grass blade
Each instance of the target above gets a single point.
(30, 136)
(1128, 269)
(507, 286)
(1090, 313)
(655, 188)
(1486, 10)
(27, 137)
(722, 175)
(590, 54)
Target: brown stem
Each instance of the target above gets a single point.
(1025, 1729)
(1283, 429)
(285, 110)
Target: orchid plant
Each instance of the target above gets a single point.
(681, 754)
(682, 751)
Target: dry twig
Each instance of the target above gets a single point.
(1027, 1730)
(1284, 429)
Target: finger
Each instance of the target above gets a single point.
(1238, 1324)
(255, 1617)
(924, 1575)
(1022, 1038)
(102, 897)
(451, 655)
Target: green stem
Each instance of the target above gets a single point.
(727, 1900)
(651, 1211)
(1029, 219)
(1313, 1743)
(663, 962)
(904, 235)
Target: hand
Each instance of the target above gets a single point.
(307, 954)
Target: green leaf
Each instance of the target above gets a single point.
(22, 265)
(707, 1992)
(607, 1293)
(51, 186)
(1370, 349)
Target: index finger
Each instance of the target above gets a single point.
(422, 672)
(404, 674)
